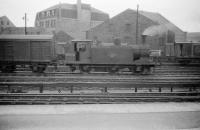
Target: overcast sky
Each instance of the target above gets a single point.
(183, 13)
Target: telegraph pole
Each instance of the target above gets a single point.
(136, 37)
(25, 21)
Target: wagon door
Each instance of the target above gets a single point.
(82, 52)
(8, 51)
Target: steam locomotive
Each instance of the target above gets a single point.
(38, 51)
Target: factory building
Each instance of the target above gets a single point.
(151, 29)
(73, 19)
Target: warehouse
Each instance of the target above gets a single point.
(152, 29)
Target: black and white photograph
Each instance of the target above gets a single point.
(99, 65)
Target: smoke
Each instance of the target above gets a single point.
(157, 30)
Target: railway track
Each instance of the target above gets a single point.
(101, 79)
(164, 69)
(168, 83)
(97, 98)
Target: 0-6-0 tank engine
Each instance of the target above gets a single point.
(84, 56)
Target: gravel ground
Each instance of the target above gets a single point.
(141, 116)
(98, 108)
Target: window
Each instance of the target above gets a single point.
(2, 23)
(41, 24)
(43, 14)
(81, 47)
(53, 23)
(52, 12)
(47, 23)
(8, 23)
(40, 15)
(144, 39)
(48, 13)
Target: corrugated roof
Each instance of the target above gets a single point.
(32, 37)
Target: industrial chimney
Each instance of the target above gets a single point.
(79, 9)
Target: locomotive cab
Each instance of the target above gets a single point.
(78, 54)
(82, 51)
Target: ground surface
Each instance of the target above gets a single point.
(143, 116)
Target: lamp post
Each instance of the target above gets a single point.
(25, 22)
(137, 26)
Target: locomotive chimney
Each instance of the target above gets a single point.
(78, 9)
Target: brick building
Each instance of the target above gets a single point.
(153, 30)
(4, 23)
(73, 19)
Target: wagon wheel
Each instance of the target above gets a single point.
(86, 69)
(8, 68)
(38, 68)
(72, 68)
(146, 70)
(41, 69)
(132, 69)
(113, 70)
(184, 62)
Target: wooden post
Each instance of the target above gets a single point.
(41, 88)
(105, 90)
(160, 90)
(71, 89)
(136, 90)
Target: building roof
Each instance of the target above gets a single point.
(21, 37)
(6, 18)
(74, 6)
(156, 17)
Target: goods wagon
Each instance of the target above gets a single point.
(187, 52)
(86, 57)
(36, 51)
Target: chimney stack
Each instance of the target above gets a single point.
(78, 9)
